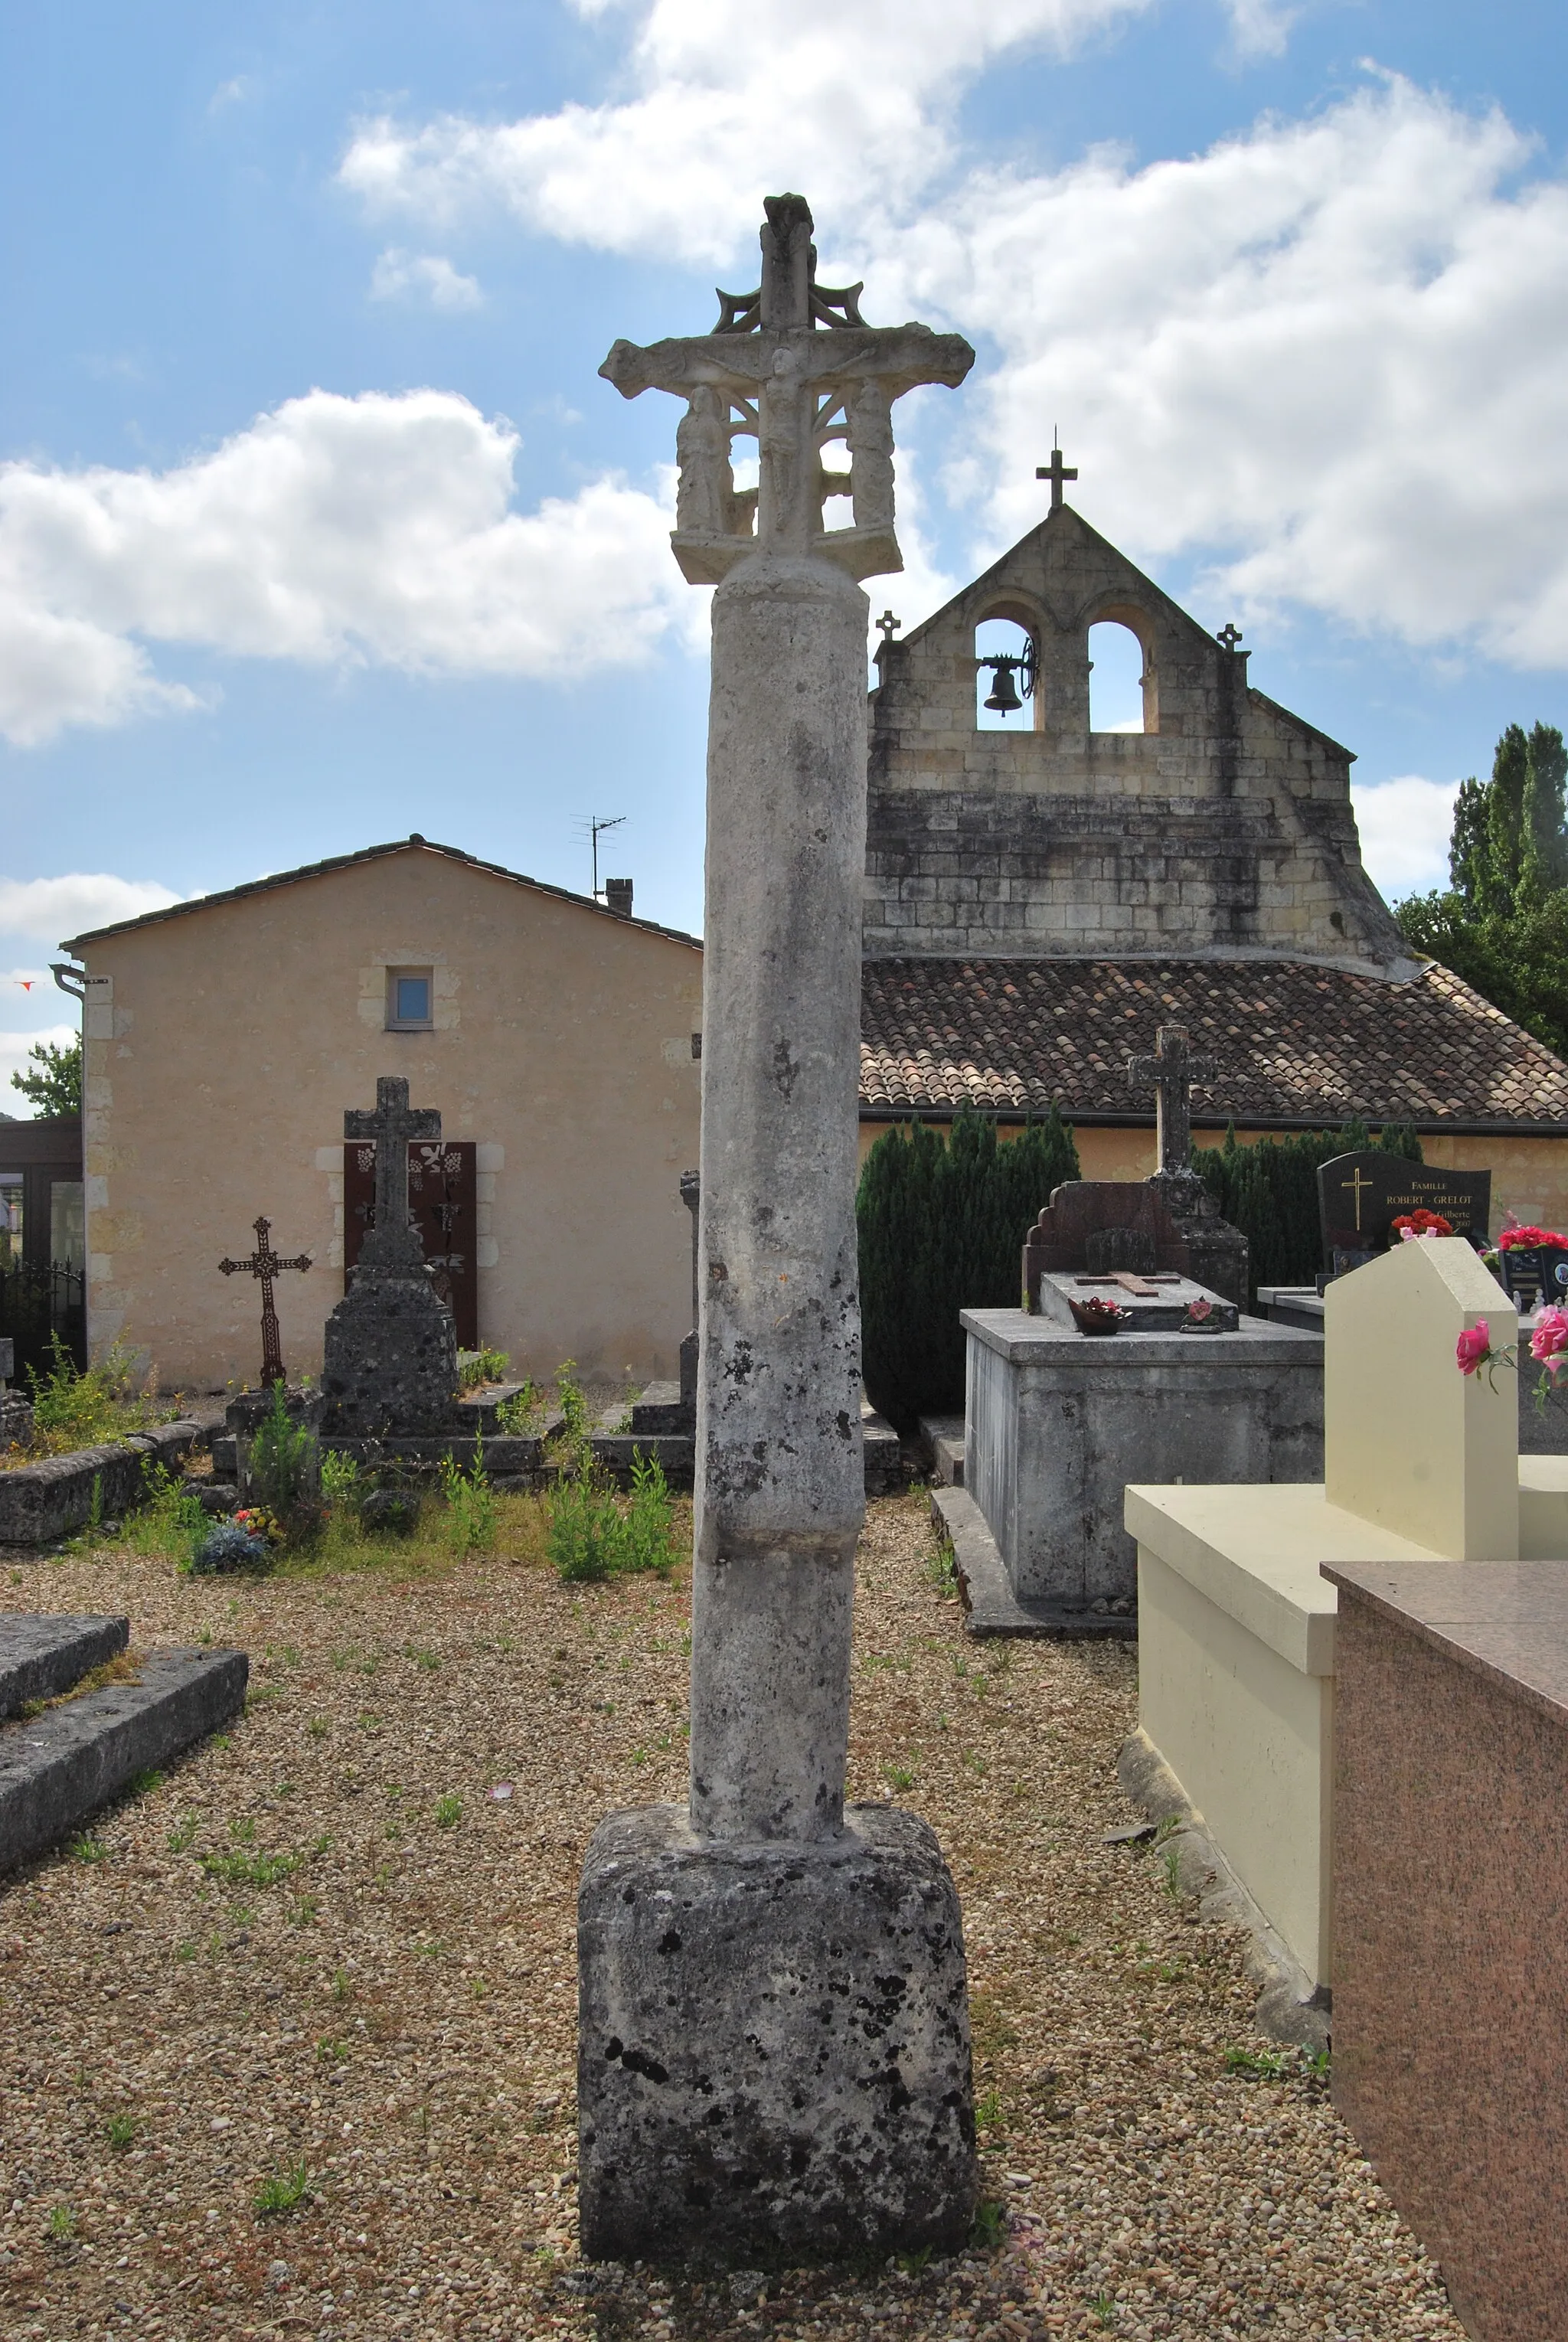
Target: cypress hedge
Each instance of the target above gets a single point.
(1269, 1191)
(941, 1228)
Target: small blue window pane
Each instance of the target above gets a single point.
(412, 999)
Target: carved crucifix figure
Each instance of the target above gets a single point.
(1173, 1070)
(266, 1264)
(795, 364)
(392, 1243)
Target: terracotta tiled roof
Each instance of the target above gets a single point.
(1291, 1043)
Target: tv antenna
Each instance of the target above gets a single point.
(596, 827)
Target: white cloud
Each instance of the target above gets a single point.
(375, 530)
(1328, 354)
(737, 99)
(1261, 28)
(425, 276)
(1405, 827)
(53, 908)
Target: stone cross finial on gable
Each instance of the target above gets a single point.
(1056, 472)
(1172, 1069)
(393, 1125)
(1229, 636)
(887, 625)
(767, 372)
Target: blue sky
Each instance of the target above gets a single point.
(317, 525)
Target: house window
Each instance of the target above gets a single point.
(410, 999)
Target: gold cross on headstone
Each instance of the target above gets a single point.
(1172, 1069)
(1355, 1183)
(1055, 472)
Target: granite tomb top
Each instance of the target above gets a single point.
(1508, 1620)
(1154, 1303)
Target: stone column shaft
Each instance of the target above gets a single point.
(780, 1477)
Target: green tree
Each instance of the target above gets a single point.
(1502, 923)
(52, 1079)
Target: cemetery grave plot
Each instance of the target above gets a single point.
(322, 1965)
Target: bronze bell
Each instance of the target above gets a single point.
(1004, 699)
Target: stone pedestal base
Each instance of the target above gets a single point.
(774, 2045)
(390, 1357)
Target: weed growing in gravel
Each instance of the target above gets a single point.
(89, 1850)
(988, 2110)
(471, 1514)
(1258, 2065)
(185, 1951)
(1104, 2308)
(988, 2222)
(250, 1869)
(941, 1571)
(121, 2132)
(62, 2224)
(590, 1537)
(145, 1782)
(170, 1524)
(183, 1834)
(284, 1464)
(898, 1776)
(282, 2192)
(317, 1727)
(1172, 1874)
(449, 1812)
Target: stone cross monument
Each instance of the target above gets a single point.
(391, 1349)
(1172, 1069)
(773, 2054)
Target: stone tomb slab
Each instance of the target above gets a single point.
(57, 1769)
(43, 1654)
(1153, 1304)
(1060, 1422)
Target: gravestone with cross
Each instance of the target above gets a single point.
(737, 1953)
(266, 1264)
(391, 1348)
(1361, 1195)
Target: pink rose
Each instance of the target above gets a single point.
(1473, 1348)
(1550, 1337)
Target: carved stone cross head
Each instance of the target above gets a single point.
(393, 1125)
(1173, 1070)
(795, 365)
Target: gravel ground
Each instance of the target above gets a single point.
(390, 2021)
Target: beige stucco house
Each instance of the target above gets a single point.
(226, 1037)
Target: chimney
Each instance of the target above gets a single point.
(619, 896)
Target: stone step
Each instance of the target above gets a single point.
(42, 1501)
(658, 1409)
(58, 1768)
(43, 1654)
(943, 1437)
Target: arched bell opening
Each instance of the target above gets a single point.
(1004, 677)
(1120, 680)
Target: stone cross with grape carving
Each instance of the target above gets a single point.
(795, 365)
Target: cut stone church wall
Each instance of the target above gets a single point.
(1225, 826)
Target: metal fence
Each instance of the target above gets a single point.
(43, 1302)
